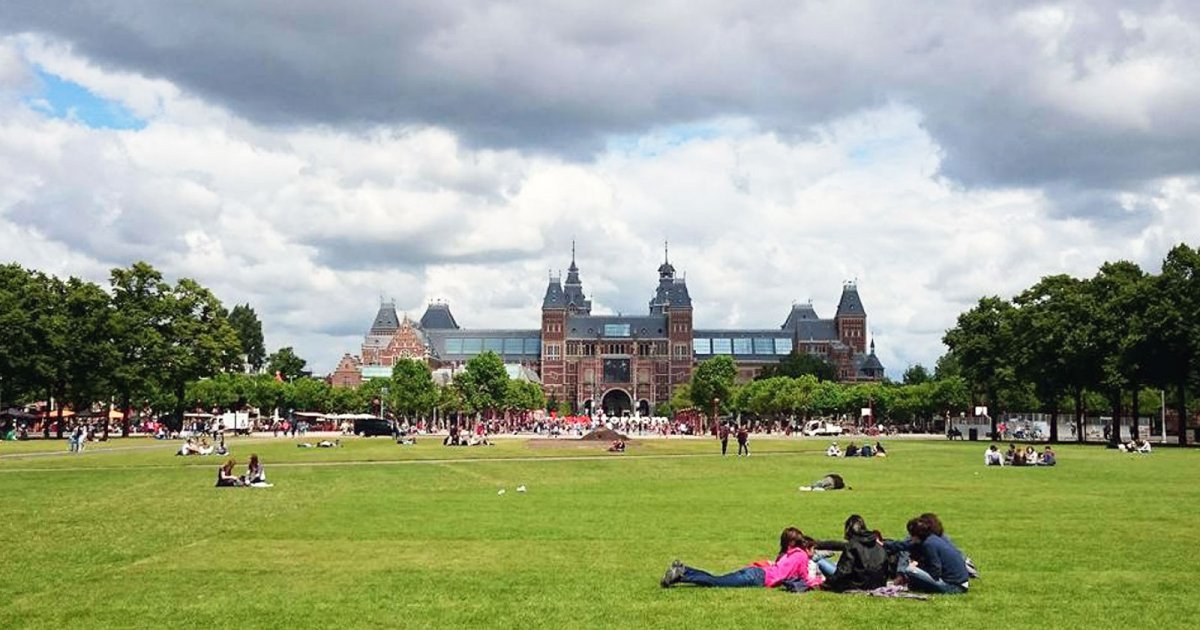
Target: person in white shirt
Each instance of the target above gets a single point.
(993, 457)
(833, 451)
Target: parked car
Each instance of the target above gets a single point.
(367, 427)
(819, 427)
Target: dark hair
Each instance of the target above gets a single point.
(792, 537)
(253, 459)
(934, 523)
(855, 525)
(918, 528)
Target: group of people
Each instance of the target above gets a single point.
(202, 446)
(617, 446)
(1134, 446)
(925, 561)
(854, 450)
(255, 477)
(1014, 456)
(742, 435)
(322, 444)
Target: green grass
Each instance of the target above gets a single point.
(377, 535)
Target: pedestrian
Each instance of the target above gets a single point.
(724, 434)
(743, 439)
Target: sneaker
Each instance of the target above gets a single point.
(805, 488)
(674, 574)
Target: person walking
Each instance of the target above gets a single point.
(723, 433)
(743, 439)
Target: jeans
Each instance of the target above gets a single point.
(749, 576)
(743, 446)
(919, 580)
(724, 446)
(827, 567)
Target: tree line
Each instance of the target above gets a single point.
(1065, 340)
(135, 344)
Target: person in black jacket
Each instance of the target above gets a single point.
(863, 563)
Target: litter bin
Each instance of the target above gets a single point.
(973, 435)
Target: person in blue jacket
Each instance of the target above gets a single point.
(943, 568)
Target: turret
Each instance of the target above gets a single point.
(851, 318)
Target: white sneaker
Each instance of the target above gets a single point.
(805, 489)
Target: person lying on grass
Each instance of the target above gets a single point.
(795, 550)
(863, 564)
(942, 568)
(831, 481)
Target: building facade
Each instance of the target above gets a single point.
(618, 363)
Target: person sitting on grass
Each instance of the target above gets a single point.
(1141, 445)
(879, 450)
(852, 450)
(225, 477)
(1048, 457)
(256, 475)
(866, 451)
(992, 457)
(791, 564)
(1031, 456)
(942, 568)
(617, 446)
(833, 450)
(831, 481)
(935, 526)
(1010, 456)
(863, 563)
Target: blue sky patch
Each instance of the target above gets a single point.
(68, 100)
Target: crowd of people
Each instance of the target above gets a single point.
(1014, 456)
(202, 446)
(925, 561)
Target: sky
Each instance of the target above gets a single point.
(312, 158)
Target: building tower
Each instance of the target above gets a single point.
(554, 336)
(672, 299)
(851, 319)
(577, 304)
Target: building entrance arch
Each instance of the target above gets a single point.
(616, 402)
(644, 408)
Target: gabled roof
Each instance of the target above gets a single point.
(671, 292)
(850, 304)
(386, 320)
(438, 317)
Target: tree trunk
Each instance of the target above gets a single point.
(1114, 436)
(1137, 411)
(1183, 417)
(1079, 414)
(59, 427)
(1054, 425)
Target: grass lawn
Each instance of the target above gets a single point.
(378, 535)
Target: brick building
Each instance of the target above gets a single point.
(618, 362)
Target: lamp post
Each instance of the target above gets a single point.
(1162, 397)
(715, 404)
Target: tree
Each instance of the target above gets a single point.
(916, 374)
(947, 366)
(982, 342)
(799, 364)
(308, 394)
(139, 334)
(91, 355)
(1117, 291)
(412, 390)
(713, 380)
(484, 383)
(250, 336)
(199, 340)
(285, 363)
(1044, 320)
(1173, 327)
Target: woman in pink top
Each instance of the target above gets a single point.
(791, 564)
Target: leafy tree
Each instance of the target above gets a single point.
(982, 341)
(200, 341)
(139, 334)
(91, 355)
(1118, 292)
(1043, 322)
(799, 364)
(916, 374)
(484, 383)
(1173, 327)
(681, 398)
(17, 343)
(250, 336)
(713, 379)
(947, 366)
(308, 394)
(413, 392)
(285, 363)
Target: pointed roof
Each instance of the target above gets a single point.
(850, 304)
(800, 313)
(573, 288)
(666, 270)
(871, 366)
(554, 297)
(386, 320)
(438, 317)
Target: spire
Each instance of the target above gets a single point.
(666, 271)
(573, 288)
(573, 267)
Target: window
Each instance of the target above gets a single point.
(493, 345)
(741, 346)
(454, 346)
(783, 345)
(512, 346)
(764, 345)
(552, 350)
(472, 346)
(681, 350)
(533, 346)
(702, 346)
(616, 371)
(722, 346)
(616, 330)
